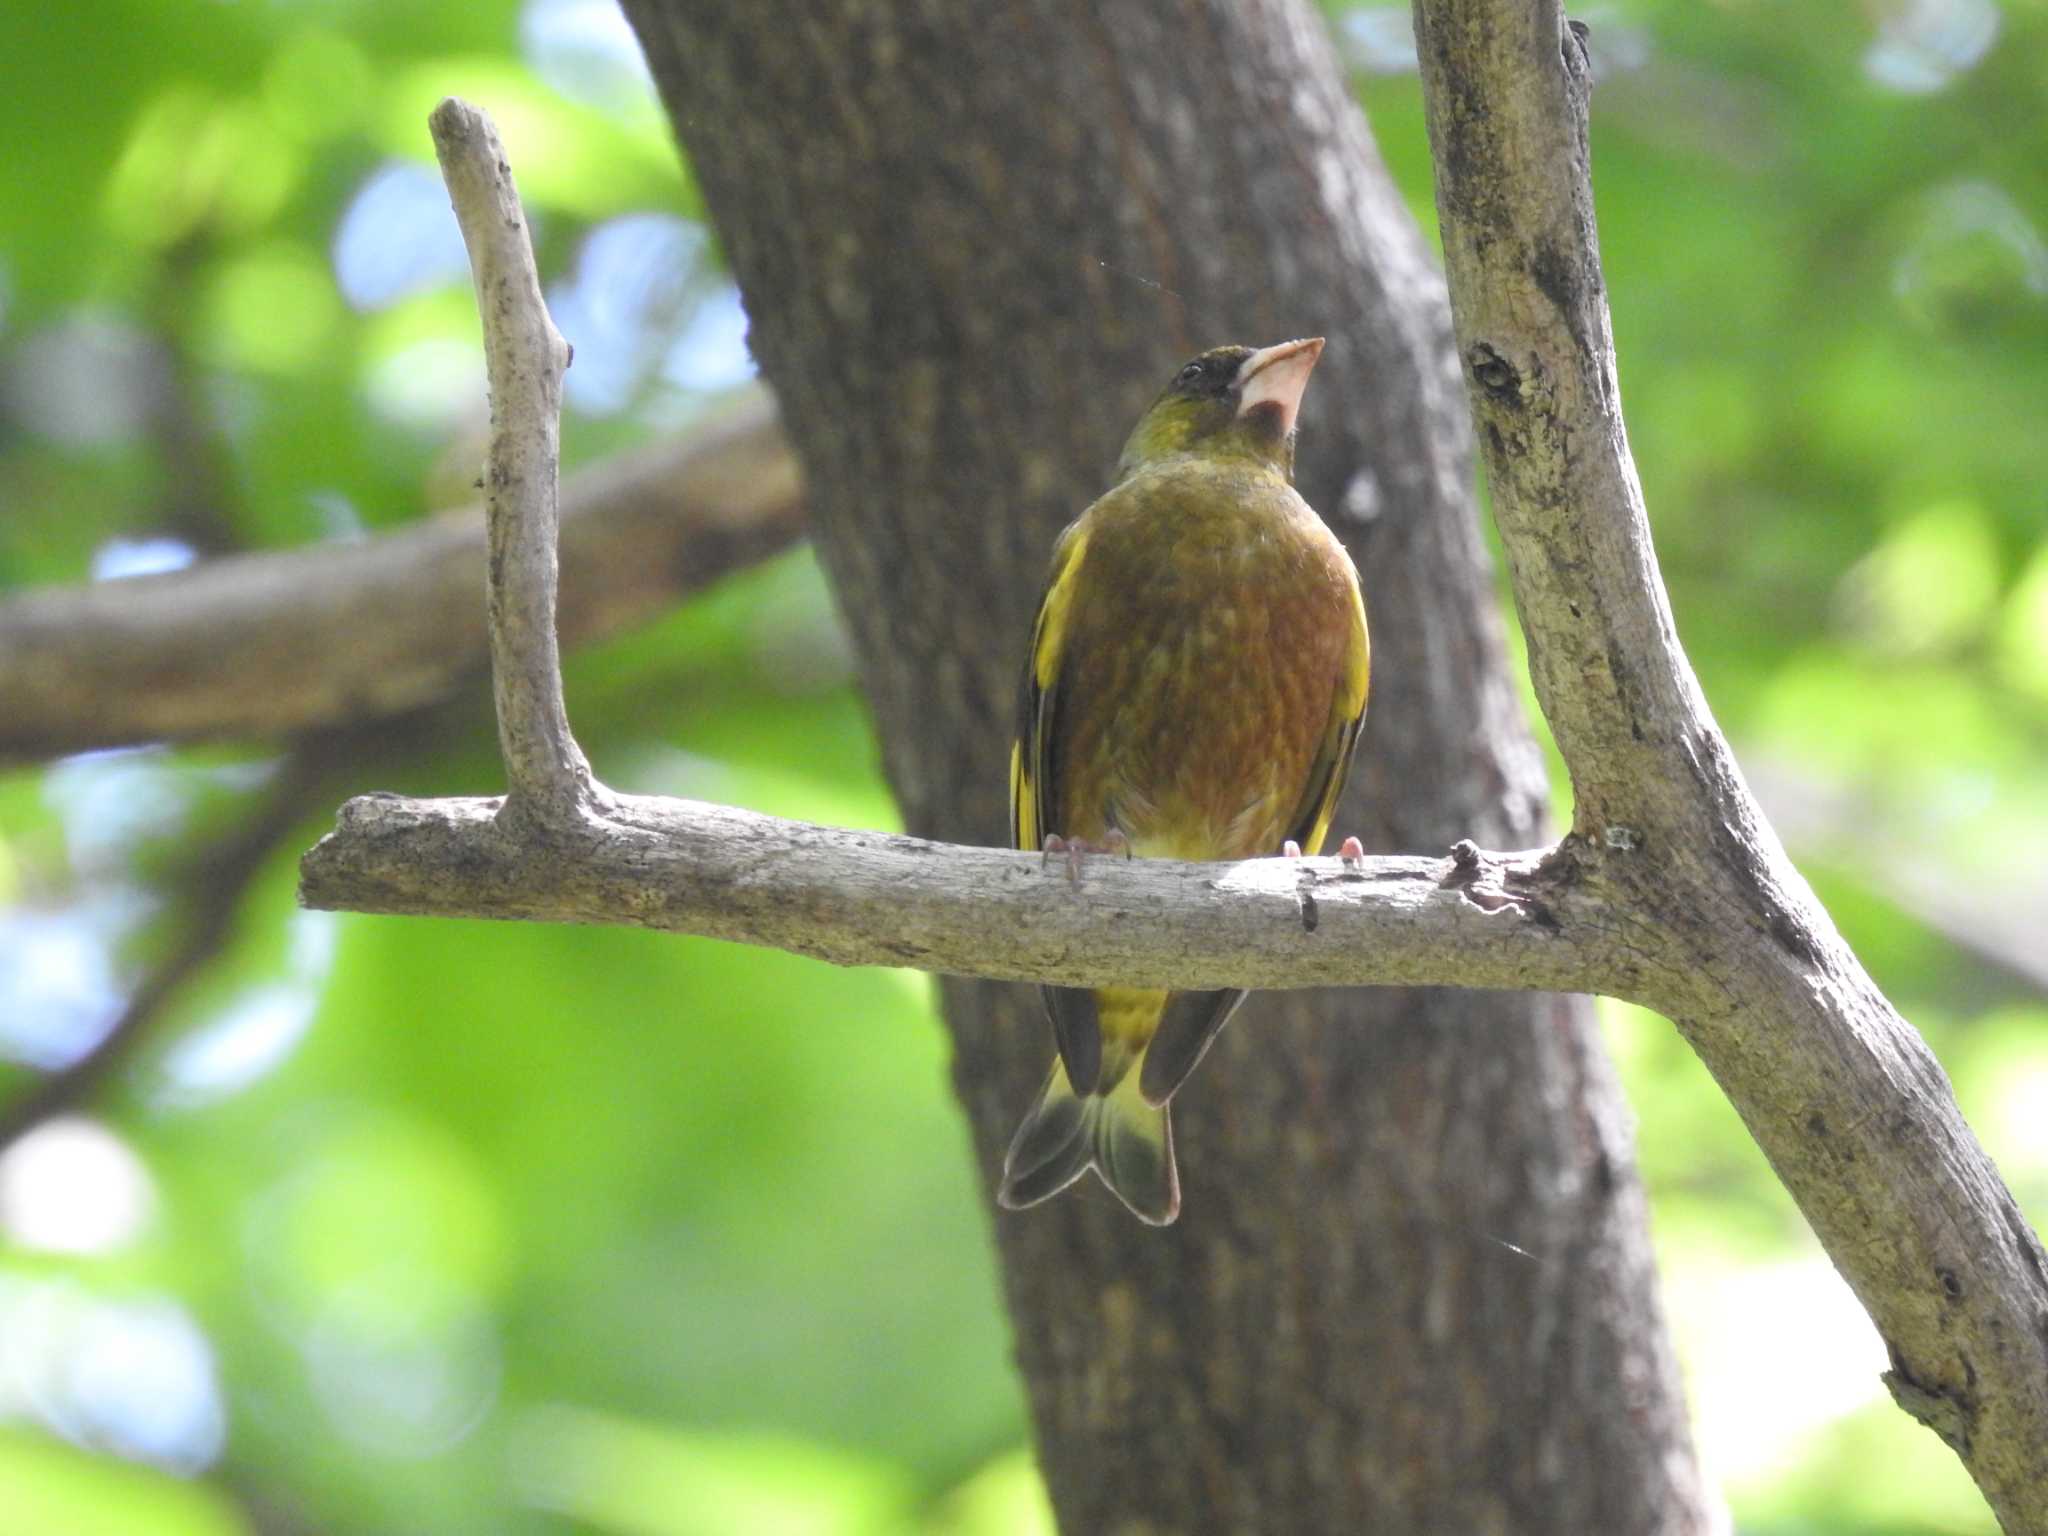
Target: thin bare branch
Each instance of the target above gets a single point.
(274, 643)
(525, 357)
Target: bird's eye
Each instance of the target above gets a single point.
(1192, 372)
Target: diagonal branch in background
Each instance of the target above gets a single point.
(201, 899)
(1897, 853)
(1671, 890)
(1840, 1092)
(264, 645)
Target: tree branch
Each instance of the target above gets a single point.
(275, 643)
(525, 357)
(1841, 1093)
(871, 898)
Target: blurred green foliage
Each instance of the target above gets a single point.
(452, 1227)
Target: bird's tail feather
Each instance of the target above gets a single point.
(1128, 1143)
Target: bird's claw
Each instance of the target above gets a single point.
(1352, 853)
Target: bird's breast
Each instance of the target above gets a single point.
(1200, 679)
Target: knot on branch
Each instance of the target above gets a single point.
(1950, 1413)
(1483, 880)
(1494, 373)
(369, 812)
(1578, 49)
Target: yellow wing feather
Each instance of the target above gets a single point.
(1030, 752)
(1311, 821)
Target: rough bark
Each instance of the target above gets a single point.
(973, 240)
(1843, 1096)
(867, 898)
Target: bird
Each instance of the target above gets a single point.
(1194, 688)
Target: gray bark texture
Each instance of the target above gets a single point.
(974, 241)
(867, 898)
(525, 358)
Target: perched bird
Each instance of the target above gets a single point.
(1195, 684)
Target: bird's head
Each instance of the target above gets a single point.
(1231, 402)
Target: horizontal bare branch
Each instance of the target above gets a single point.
(282, 641)
(873, 898)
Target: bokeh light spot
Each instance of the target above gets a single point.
(586, 50)
(318, 85)
(70, 1185)
(1923, 45)
(272, 311)
(399, 236)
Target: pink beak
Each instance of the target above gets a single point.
(1277, 376)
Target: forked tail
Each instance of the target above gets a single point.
(1128, 1143)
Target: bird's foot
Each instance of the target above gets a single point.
(1075, 849)
(1352, 853)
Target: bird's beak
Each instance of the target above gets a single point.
(1276, 376)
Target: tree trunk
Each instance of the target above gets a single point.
(974, 241)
